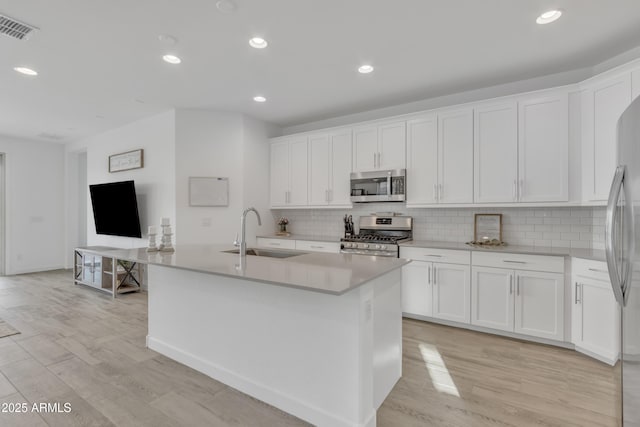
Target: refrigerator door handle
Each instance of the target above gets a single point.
(609, 235)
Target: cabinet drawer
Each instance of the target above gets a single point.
(313, 246)
(276, 243)
(596, 270)
(553, 264)
(436, 255)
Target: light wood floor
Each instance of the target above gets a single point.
(79, 346)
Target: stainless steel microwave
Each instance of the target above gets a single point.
(379, 186)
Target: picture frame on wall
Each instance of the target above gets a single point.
(208, 191)
(126, 161)
(487, 228)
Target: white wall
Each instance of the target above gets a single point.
(35, 220)
(155, 183)
(220, 144)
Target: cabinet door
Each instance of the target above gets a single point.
(416, 288)
(602, 107)
(319, 167)
(451, 292)
(492, 298)
(365, 148)
(495, 153)
(539, 308)
(543, 149)
(340, 174)
(422, 160)
(298, 168)
(598, 330)
(635, 84)
(279, 173)
(392, 143)
(455, 151)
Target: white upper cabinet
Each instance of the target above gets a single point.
(392, 146)
(635, 84)
(279, 173)
(496, 153)
(365, 149)
(543, 149)
(339, 177)
(422, 160)
(440, 158)
(455, 154)
(289, 173)
(602, 106)
(329, 169)
(379, 147)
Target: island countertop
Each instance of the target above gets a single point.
(319, 272)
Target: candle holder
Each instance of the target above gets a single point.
(165, 242)
(152, 247)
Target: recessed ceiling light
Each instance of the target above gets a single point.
(258, 43)
(26, 71)
(172, 59)
(226, 6)
(549, 16)
(259, 98)
(365, 69)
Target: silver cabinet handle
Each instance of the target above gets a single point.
(429, 276)
(316, 247)
(330, 195)
(435, 192)
(431, 255)
(597, 270)
(326, 195)
(389, 184)
(379, 160)
(515, 190)
(575, 295)
(440, 191)
(513, 262)
(518, 285)
(434, 275)
(375, 158)
(274, 244)
(511, 284)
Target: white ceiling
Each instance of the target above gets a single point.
(98, 59)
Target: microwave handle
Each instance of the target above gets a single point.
(389, 184)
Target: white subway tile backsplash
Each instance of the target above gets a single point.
(578, 227)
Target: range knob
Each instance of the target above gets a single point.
(366, 245)
(378, 247)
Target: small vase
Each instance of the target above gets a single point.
(283, 228)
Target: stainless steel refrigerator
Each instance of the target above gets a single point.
(622, 244)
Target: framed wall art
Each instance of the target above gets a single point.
(126, 161)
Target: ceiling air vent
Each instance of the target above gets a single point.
(15, 29)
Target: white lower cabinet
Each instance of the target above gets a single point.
(595, 315)
(492, 298)
(451, 292)
(521, 301)
(436, 289)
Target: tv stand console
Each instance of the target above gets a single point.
(94, 266)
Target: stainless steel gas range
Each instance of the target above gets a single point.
(379, 236)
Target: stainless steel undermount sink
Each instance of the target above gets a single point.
(266, 253)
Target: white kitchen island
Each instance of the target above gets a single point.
(316, 335)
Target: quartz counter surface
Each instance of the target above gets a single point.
(592, 254)
(318, 272)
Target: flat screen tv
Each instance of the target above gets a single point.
(115, 209)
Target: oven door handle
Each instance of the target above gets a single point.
(389, 184)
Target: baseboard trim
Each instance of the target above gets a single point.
(470, 327)
(609, 360)
(289, 404)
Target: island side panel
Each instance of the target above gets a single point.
(387, 336)
(308, 353)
